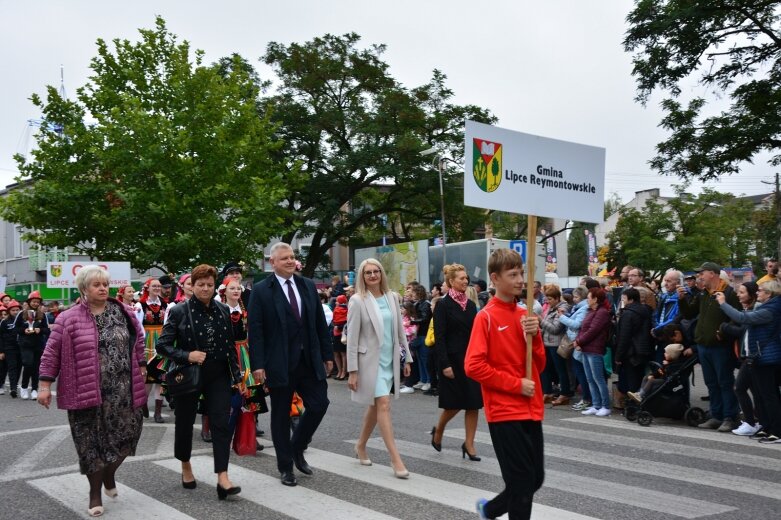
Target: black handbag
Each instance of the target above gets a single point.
(186, 378)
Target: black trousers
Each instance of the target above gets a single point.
(743, 383)
(31, 361)
(217, 396)
(11, 366)
(631, 377)
(519, 450)
(314, 393)
(767, 396)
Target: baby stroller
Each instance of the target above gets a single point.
(670, 399)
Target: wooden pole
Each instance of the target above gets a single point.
(531, 254)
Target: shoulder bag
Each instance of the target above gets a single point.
(565, 347)
(184, 379)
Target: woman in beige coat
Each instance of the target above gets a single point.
(375, 346)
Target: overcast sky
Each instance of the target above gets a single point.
(554, 68)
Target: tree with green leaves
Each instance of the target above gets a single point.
(160, 160)
(353, 136)
(684, 231)
(730, 47)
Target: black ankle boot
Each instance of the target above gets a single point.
(159, 411)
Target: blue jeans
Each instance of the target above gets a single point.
(580, 374)
(718, 372)
(595, 374)
(420, 349)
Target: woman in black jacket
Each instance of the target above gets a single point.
(634, 348)
(453, 318)
(200, 331)
(736, 332)
(32, 328)
(9, 347)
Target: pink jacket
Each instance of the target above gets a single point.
(71, 356)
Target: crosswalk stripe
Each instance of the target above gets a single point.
(295, 502)
(652, 468)
(741, 459)
(675, 505)
(46, 472)
(33, 430)
(38, 452)
(418, 486)
(688, 432)
(72, 491)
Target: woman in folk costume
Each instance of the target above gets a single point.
(153, 310)
(254, 399)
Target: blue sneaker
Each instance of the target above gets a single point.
(480, 505)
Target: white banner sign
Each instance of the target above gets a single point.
(527, 174)
(63, 274)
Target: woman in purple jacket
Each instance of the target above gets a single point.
(96, 351)
(591, 342)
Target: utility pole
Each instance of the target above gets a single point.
(777, 203)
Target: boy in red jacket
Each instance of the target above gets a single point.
(496, 358)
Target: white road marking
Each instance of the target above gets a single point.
(72, 491)
(418, 486)
(673, 505)
(296, 502)
(701, 477)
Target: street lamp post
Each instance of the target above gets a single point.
(440, 167)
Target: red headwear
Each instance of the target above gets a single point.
(145, 289)
(180, 296)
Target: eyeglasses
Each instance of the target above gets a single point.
(372, 273)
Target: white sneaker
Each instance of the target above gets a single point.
(406, 390)
(34, 394)
(418, 385)
(2, 390)
(590, 411)
(746, 429)
(426, 387)
(603, 412)
(24, 393)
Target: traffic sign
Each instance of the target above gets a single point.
(520, 246)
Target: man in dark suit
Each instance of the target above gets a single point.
(289, 346)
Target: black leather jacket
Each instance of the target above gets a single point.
(177, 341)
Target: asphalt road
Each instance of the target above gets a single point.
(606, 468)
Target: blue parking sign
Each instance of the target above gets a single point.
(520, 246)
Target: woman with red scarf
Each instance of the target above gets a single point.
(453, 318)
(152, 308)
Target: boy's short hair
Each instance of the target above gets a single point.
(670, 329)
(504, 259)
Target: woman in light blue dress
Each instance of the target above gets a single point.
(376, 349)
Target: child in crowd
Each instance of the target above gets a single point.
(496, 358)
(340, 350)
(671, 364)
(407, 315)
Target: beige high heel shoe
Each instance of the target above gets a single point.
(364, 462)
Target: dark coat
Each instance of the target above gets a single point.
(31, 341)
(8, 337)
(633, 337)
(452, 330)
(268, 313)
(177, 340)
(764, 324)
(594, 331)
(709, 315)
